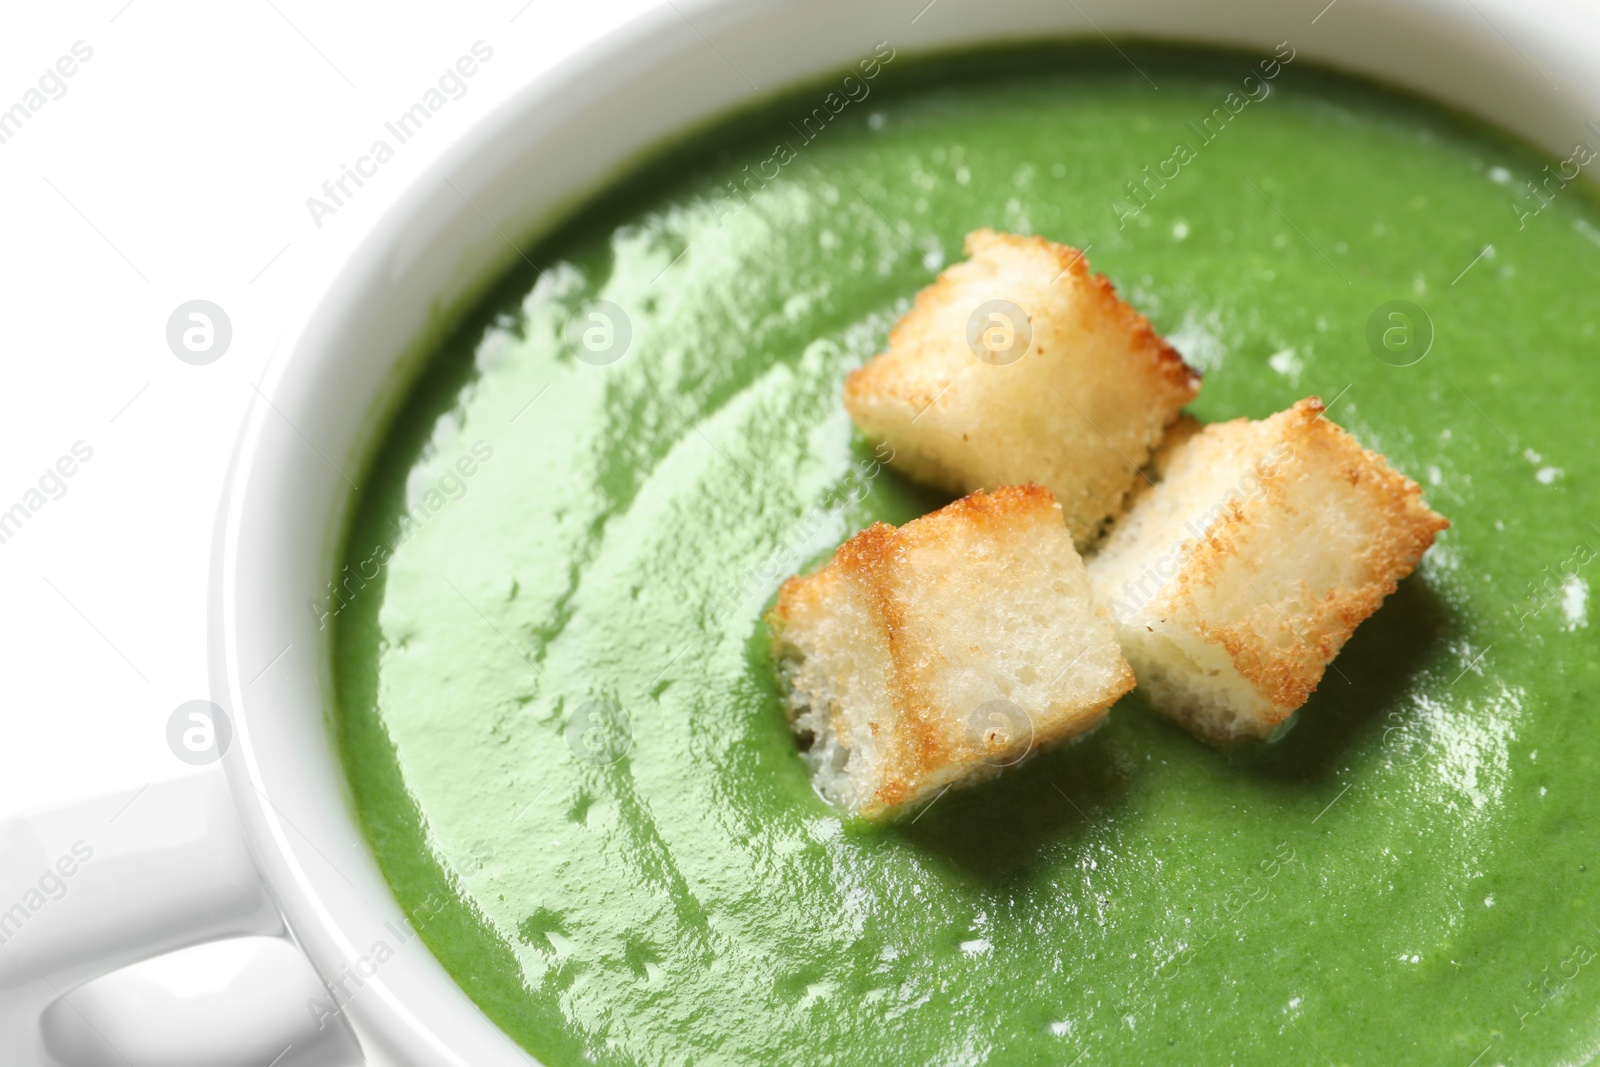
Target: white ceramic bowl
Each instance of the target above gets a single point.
(1526, 65)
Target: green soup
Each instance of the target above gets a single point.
(563, 734)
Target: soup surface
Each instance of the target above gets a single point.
(562, 730)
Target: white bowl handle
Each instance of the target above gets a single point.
(91, 888)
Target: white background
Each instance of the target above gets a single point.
(175, 167)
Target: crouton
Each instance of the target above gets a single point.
(1235, 579)
(1018, 365)
(1178, 434)
(942, 651)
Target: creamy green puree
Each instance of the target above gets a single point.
(559, 719)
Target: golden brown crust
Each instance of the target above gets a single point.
(920, 745)
(1184, 427)
(868, 557)
(918, 748)
(1403, 529)
(1078, 412)
(1178, 434)
(981, 509)
(1169, 362)
(884, 374)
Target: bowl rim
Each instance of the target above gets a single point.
(283, 512)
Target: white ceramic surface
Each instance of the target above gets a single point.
(1527, 66)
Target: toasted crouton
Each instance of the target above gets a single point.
(1237, 577)
(1018, 365)
(1178, 434)
(939, 652)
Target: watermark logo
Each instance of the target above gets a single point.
(1253, 88)
(1252, 887)
(51, 885)
(199, 732)
(353, 975)
(1407, 738)
(1400, 333)
(1138, 594)
(428, 501)
(1002, 730)
(790, 549)
(1555, 585)
(1552, 982)
(51, 86)
(738, 193)
(52, 485)
(600, 732)
(999, 332)
(451, 85)
(599, 333)
(1538, 196)
(199, 332)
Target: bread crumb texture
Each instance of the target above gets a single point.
(1239, 571)
(1018, 365)
(940, 652)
